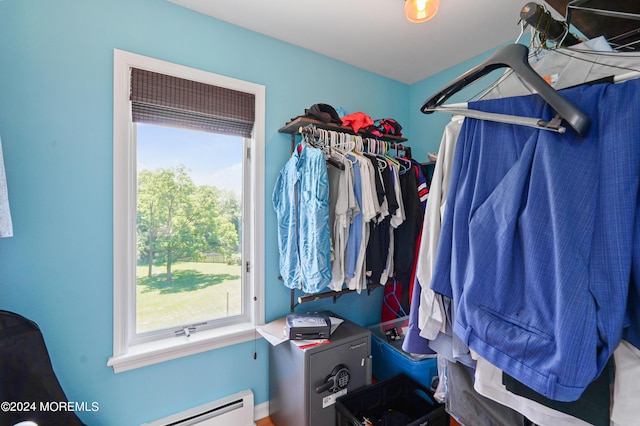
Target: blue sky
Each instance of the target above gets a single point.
(213, 159)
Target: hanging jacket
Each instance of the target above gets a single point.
(536, 241)
(301, 202)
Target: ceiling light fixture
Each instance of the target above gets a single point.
(420, 10)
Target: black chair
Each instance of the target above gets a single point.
(27, 377)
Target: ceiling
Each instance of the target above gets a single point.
(374, 34)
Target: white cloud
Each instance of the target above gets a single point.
(228, 178)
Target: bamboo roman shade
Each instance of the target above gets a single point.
(172, 101)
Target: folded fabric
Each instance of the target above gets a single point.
(323, 112)
(357, 120)
(384, 126)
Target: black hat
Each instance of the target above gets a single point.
(323, 112)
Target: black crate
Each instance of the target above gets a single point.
(398, 401)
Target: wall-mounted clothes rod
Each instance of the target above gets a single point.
(293, 126)
(349, 141)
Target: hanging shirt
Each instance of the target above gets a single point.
(378, 228)
(536, 241)
(406, 234)
(368, 209)
(6, 224)
(337, 224)
(355, 227)
(301, 202)
(399, 216)
(423, 187)
(488, 383)
(431, 319)
(342, 191)
(626, 385)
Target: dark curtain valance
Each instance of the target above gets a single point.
(172, 101)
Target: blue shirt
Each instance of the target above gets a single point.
(537, 235)
(355, 227)
(301, 202)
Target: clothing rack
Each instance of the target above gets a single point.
(371, 144)
(557, 31)
(312, 129)
(309, 126)
(616, 20)
(577, 5)
(624, 42)
(293, 128)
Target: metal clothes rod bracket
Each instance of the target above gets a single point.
(324, 295)
(313, 297)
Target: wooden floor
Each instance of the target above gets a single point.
(264, 422)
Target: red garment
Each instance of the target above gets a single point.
(356, 120)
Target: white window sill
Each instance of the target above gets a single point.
(149, 353)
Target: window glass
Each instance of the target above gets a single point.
(189, 206)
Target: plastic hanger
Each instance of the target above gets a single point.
(515, 56)
(404, 163)
(335, 148)
(319, 138)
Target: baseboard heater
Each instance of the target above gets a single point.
(236, 410)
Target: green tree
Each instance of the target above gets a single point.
(231, 208)
(217, 221)
(179, 220)
(164, 198)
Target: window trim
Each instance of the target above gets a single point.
(126, 355)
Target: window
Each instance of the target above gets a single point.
(188, 210)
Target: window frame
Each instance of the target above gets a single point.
(127, 352)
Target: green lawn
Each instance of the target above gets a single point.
(198, 292)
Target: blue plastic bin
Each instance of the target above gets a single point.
(389, 359)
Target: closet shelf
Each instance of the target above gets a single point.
(294, 125)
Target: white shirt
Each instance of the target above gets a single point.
(431, 319)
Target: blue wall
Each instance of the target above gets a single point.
(426, 129)
(56, 129)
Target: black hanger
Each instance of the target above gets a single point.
(514, 56)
